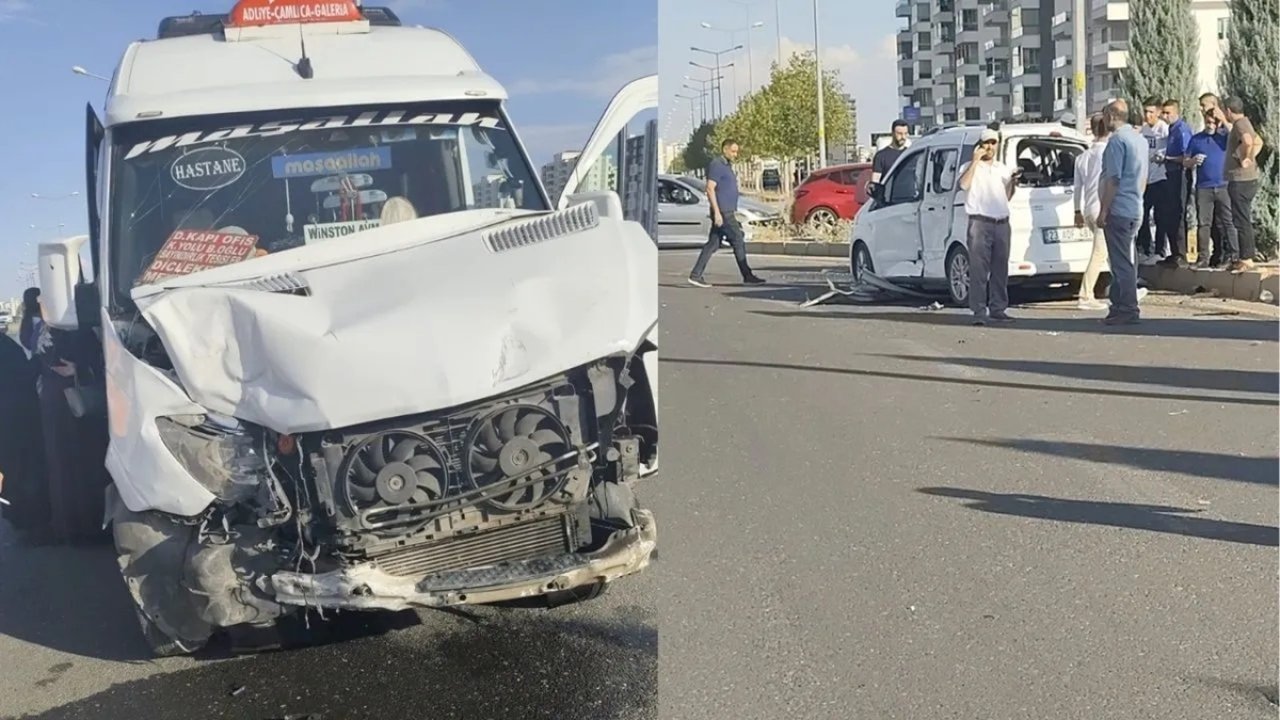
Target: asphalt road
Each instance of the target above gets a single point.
(883, 512)
(70, 649)
(864, 512)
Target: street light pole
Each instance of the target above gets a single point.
(719, 97)
(822, 125)
(1079, 48)
(777, 26)
(81, 71)
(692, 125)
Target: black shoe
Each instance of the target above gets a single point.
(979, 320)
(698, 282)
(753, 280)
(1202, 264)
(1001, 318)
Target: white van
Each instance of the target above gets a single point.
(355, 357)
(914, 229)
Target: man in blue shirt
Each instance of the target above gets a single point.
(722, 193)
(1174, 206)
(1120, 192)
(1207, 155)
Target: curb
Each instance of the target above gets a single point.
(805, 248)
(1244, 286)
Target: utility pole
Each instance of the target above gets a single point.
(777, 26)
(1080, 62)
(822, 124)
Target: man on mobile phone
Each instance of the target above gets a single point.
(722, 193)
(988, 185)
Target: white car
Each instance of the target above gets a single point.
(914, 229)
(684, 212)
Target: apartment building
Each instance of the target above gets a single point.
(1109, 44)
(983, 60)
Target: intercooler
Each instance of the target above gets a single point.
(524, 541)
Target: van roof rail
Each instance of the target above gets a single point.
(200, 24)
(959, 124)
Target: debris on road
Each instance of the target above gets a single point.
(870, 289)
(933, 306)
(237, 691)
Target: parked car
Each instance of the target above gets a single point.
(913, 230)
(684, 214)
(770, 179)
(831, 194)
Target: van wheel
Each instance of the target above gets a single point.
(860, 262)
(160, 643)
(958, 275)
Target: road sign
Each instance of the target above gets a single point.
(911, 114)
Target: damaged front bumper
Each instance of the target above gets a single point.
(367, 587)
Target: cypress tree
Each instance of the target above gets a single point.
(1250, 70)
(1164, 53)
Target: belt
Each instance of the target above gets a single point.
(993, 221)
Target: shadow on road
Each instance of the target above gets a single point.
(1184, 377)
(69, 599)
(1215, 466)
(972, 382)
(1260, 330)
(524, 664)
(1154, 518)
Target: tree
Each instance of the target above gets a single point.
(697, 155)
(1164, 53)
(1250, 70)
(781, 119)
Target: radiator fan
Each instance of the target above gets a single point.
(392, 469)
(511, 442)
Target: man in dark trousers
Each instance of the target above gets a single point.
(1207, 155)
(1174, 207)
(1241, 169)
(888, 155)
(722, 193)
(988, 185)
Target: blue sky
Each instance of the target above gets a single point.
(559, 81)
(857, 37)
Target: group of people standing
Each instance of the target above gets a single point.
(1214, 171)
(1132, 179)
(1132, 188)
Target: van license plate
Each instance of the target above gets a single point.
(1053, 236)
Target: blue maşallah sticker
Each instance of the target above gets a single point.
(334, 163)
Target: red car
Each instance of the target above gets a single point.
(831, 194)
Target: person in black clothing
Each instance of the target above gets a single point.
(29, 330)
(888, 155)
(21, 442)
(75, 448)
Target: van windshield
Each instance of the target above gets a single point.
(194, 193)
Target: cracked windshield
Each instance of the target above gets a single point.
(191, 195)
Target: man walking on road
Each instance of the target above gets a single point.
(1120, 207)
(888, 155)
(722, 193)
(1088, 172)
(1207, 155)
(988, 185)
(1243, 145)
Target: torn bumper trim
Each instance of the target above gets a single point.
(367, 587)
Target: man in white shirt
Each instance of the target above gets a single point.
(988, 185)
(1087, 174)
(1153, 236)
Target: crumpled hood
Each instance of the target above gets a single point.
(424, 327)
